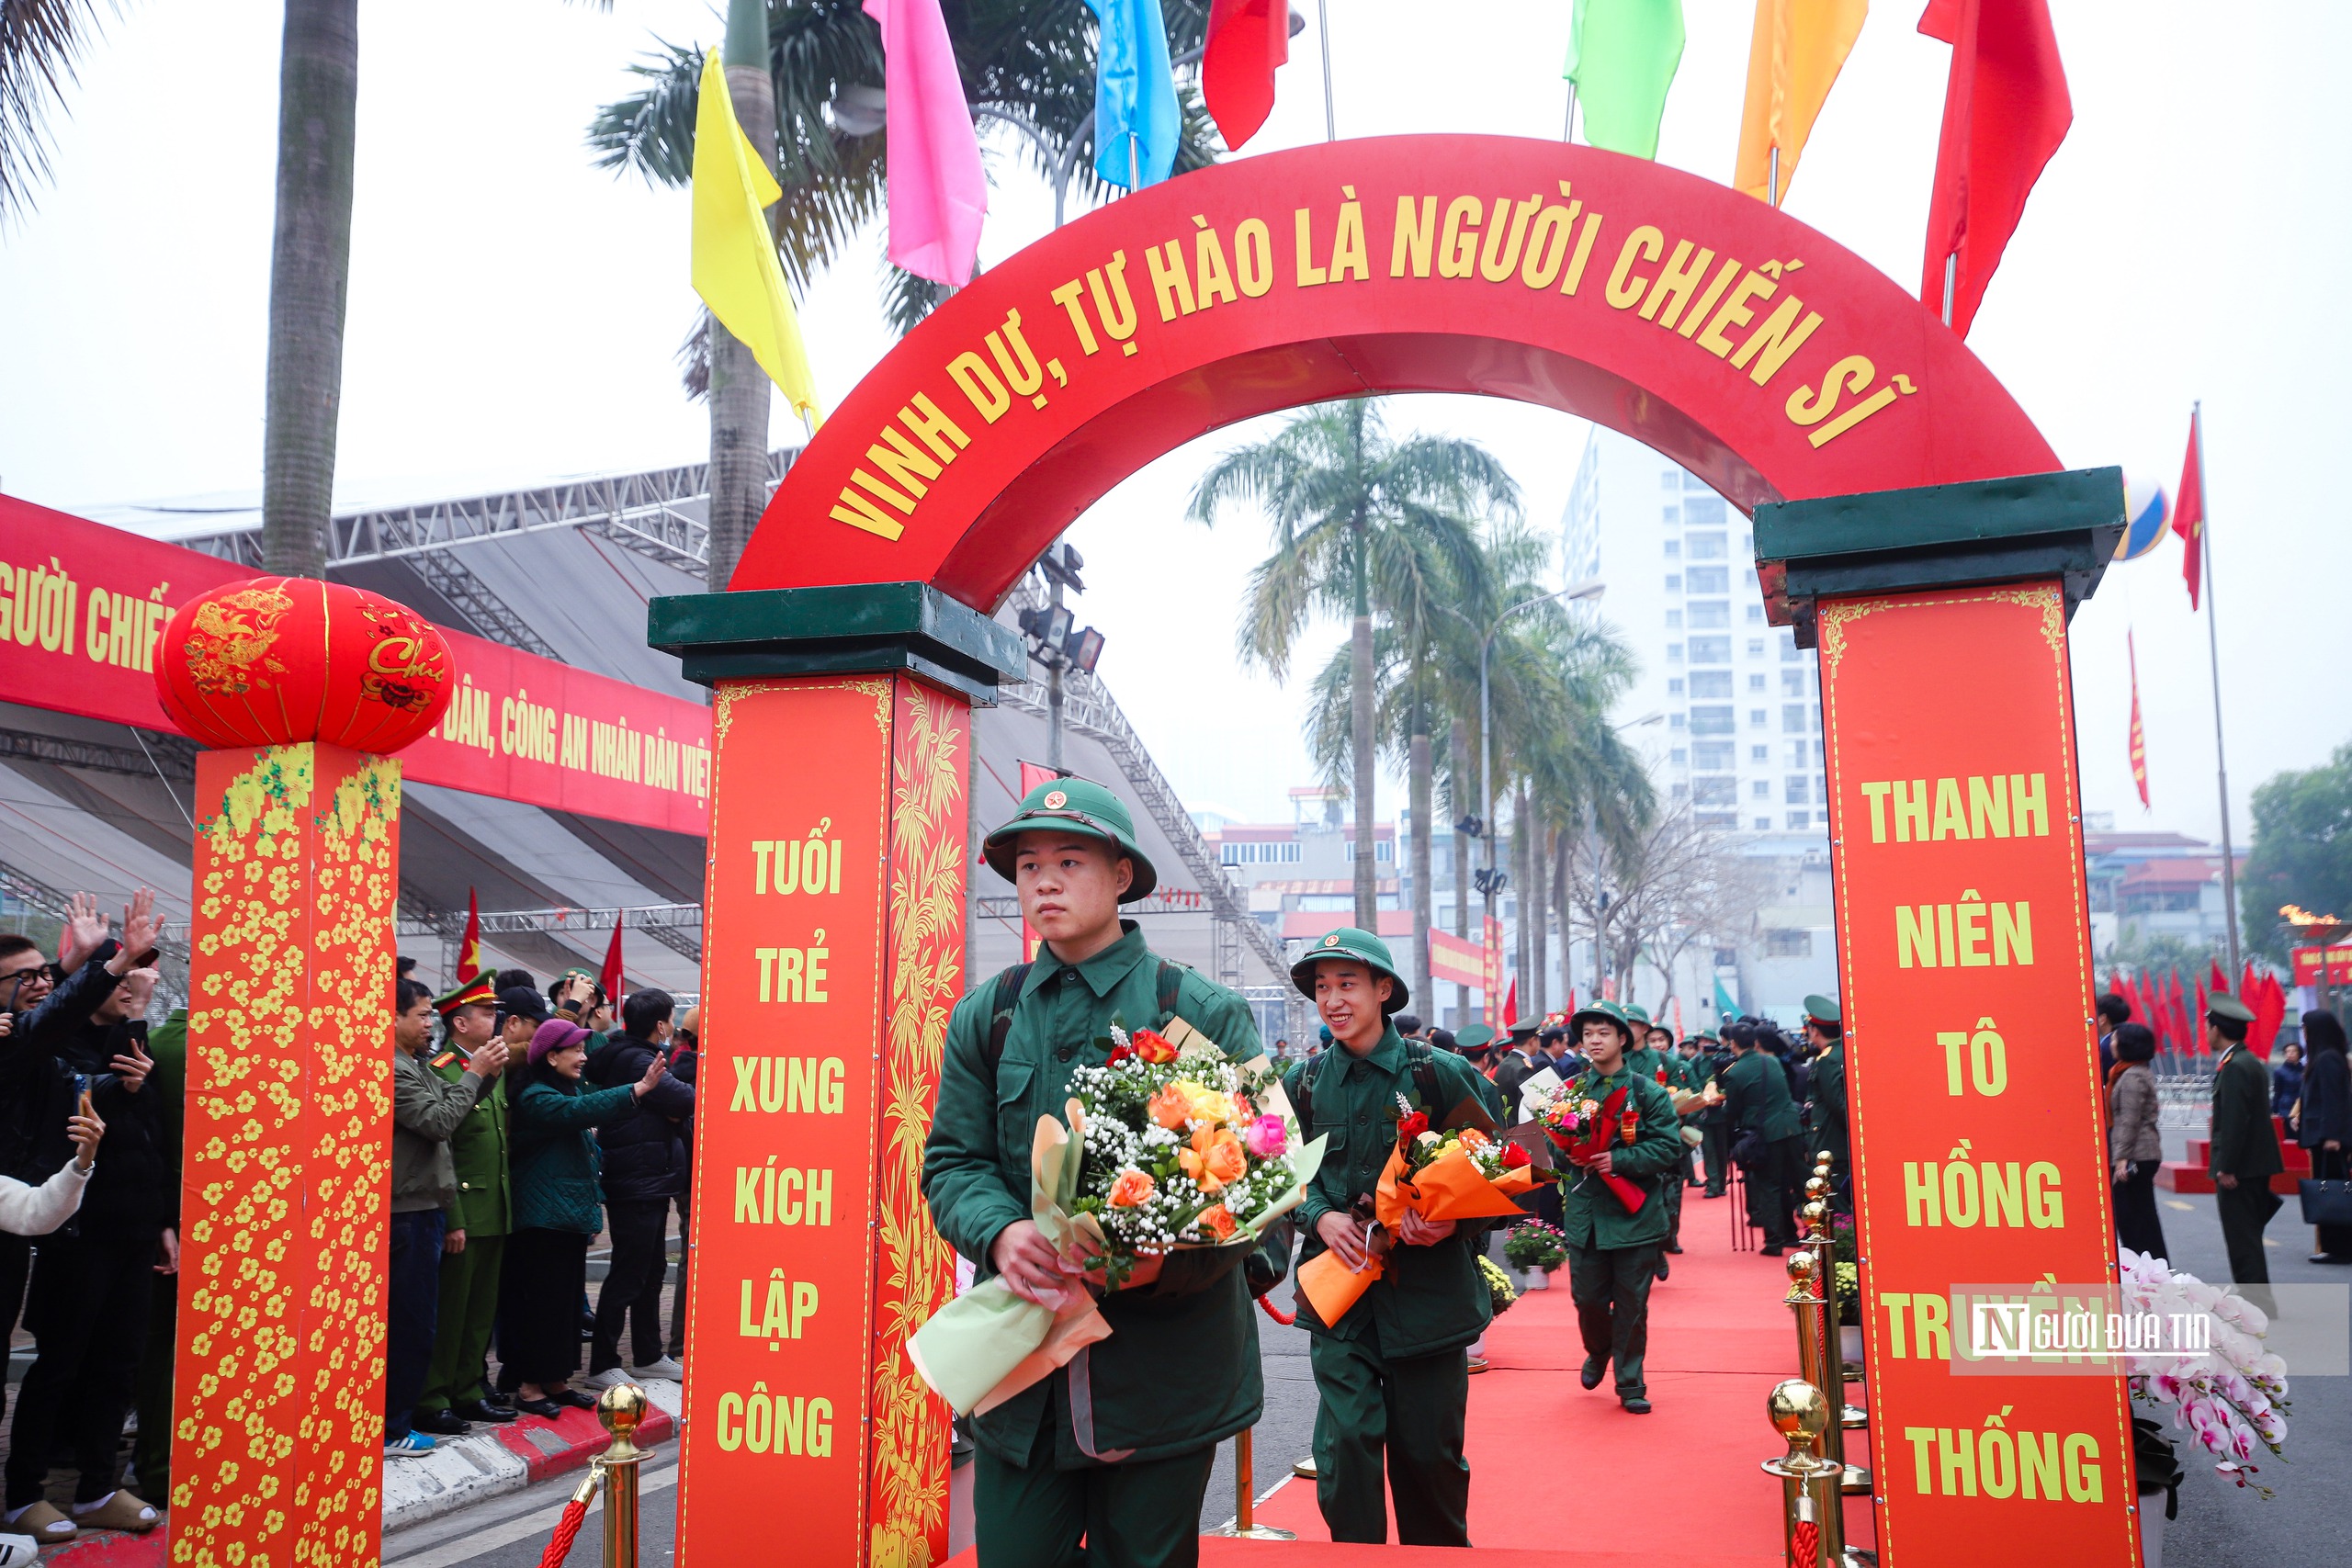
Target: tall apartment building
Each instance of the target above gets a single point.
(1741, 734)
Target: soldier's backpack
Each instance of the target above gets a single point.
(1008, 997)
(1418, 1055)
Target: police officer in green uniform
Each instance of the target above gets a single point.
(2243, 1155)
(1104, 1451)
(1825, 1027)
(1392, 1372)
(1764, 1122)
(456, 1391)
(1613, 1252)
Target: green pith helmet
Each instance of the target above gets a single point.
(1477, 1037)
(1349, 942)
(1082, 807)
(1823, 1010)
(1638, 1017)
(1607, 1012)
(2221, 1004)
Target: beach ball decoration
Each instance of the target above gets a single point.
(2146, 513)
(273, 660)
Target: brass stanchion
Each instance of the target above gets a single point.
(1244, 1525)
(1813, 1529)
(1856, 1479)
(620, 1408)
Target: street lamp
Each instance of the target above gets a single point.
(1057, 642)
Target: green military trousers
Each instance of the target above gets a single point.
(462, 1332)
(1133, 1514)
(1411, 1410)
(1611, 1287)
(151, 1453)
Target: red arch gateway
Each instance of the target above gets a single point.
(1752, 349)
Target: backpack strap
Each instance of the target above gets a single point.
(1008, 997)
(1302, 1104)
(1423, 1062)
(1172, 979)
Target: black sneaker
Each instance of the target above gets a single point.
(1664, 1268)
(484, 1410)
(1593, 1369)
(442, 1423)
(1635, 1404)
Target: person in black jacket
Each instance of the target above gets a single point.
(90, 1284)
(646, 1168)
(2323, 1123)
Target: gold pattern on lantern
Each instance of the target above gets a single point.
(233, 636)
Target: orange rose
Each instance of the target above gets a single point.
(1132, 1189)
(1219, 1222)
(1171, 1108)
(1471, 1139)
(1152, 1046)
(1216, 1157)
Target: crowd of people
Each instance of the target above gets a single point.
(526, 1122)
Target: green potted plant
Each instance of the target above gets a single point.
(1533, 1249)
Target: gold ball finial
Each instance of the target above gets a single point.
(1797, 1412)
(1817, 1213)
(1800, 1264)
(1824, 1159)
(621, 1408)
(1815, 1185)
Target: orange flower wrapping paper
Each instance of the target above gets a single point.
(1448, 1188)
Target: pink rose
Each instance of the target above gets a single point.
(1266, 1137)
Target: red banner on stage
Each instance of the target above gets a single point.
(2339, 965)
(83, 605)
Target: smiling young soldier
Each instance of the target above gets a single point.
(1613, 1254)
(1392, 1372)
(1100, 1451)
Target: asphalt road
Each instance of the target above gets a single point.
(2220, 1526)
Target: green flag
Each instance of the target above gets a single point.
(1725, 1006)
(1622, 56)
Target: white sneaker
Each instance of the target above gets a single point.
(596, 1382)
(667, 1367)
(18, 1551)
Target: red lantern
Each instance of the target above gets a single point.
(277, 659)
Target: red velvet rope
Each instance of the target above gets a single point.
(567, 1530)
(1284, 1318)
(1807, 1544)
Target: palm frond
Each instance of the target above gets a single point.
(39, 42)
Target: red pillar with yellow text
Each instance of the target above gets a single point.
(834, 947)
(278, 1440)
(1978, 1148)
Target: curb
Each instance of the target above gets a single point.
(489, 1461)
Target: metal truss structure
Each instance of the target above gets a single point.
(36, 894)
(168, 756)
(1088, 708)
(665, 923)
(1163, 901)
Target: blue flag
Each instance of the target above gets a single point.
(1136, 121)
(1725, 1006)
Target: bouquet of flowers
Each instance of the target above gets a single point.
(1462, 1173)
(2234, 1399)
(1581, 1126)
(1168, 1147)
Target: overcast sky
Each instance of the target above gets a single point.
(513, 312)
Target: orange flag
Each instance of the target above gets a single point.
(2139, 737)
(1793, 60)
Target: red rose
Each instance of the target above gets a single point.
(1152, 1047)
(1514, 1157)
(1120, 1054)
(1412, 1126)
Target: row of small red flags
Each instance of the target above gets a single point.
(2177, 1015)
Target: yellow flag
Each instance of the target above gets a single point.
(735, 265)
(1798, 49)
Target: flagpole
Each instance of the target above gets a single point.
(1952, 281)
(1772, 198)
(2213, 648)
(1323, 38)
(1569, 133)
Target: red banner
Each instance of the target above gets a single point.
(1451, 958)
(83, 605)
(2339, 965)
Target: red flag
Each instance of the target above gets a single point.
(2139, 736)
(469, 944)
(2006, 110)
(2273, 1008)
(1246, 39)
(2221, 982)
(1511, 1003)
(610, 978)
(2189, 507)
(1031, 776)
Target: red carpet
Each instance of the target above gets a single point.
(1719, 1340)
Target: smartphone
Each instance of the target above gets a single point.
(82, 1094)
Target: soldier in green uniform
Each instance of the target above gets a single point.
(1714, 1121)
(456, 1391)
(1613, 1252)
(1392, 1372)
(1825, 1027)
(1655, 1058)
(150, 1452)
(2243, 1153)
(1104, 1451)
(1764, 1122)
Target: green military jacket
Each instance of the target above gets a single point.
(1758, 1094)
(1830, 1128)
(1428, 1297)
(1641, 1059)
(976, 1178)
(2244, 1144)
(1590, 1215)
(484, 1204)
(167, 1048)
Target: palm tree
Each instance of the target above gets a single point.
(1351, 507)
(39, 41)
(815, 113)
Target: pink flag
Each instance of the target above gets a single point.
(938, 191)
